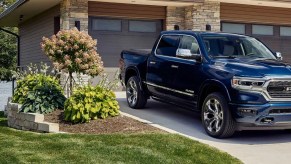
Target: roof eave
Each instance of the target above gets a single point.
(12, 8)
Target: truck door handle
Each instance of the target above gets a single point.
(174, 66)
(152, 62)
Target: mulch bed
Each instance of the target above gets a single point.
(119, 124)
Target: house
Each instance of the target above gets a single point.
(128, 24)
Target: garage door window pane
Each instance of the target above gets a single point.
(263, 30)
(234, 28)
(106, 25)
(142, 26)
(285, 31)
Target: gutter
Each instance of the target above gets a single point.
(18, 52)
(12, 7)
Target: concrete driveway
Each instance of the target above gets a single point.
(252, 147)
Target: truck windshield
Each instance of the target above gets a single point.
(225, 46)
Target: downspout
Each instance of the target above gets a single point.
(18, 51)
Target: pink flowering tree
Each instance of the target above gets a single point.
(73, 51)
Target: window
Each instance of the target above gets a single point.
(57, 24)
(189, 43)
(106, 25)
(263, 30)
(142, 26)
(234, 28)
(235, 46)
(285, 31)
(168, 45)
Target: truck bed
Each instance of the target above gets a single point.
(141, 52)
(135, 59)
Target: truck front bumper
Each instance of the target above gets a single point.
(272, 115)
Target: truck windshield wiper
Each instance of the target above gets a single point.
(228, 57)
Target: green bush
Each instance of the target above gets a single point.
(30, 83)
(89, 102)
(44, 99)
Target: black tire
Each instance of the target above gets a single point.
(135, 97)
(216, 117)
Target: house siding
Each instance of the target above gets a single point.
(120, 10)
(31, 33)
(194, 17)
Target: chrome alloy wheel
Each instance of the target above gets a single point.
(213, 115)
(131, 92)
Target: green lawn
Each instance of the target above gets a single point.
(27, 147)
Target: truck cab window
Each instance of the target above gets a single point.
(189, 43)
(168, 45)
(236, 46)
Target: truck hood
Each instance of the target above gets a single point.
(254, 67)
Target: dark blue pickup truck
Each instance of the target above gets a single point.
(235, 81)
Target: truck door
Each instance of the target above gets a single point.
(162, 71)
(190, 73)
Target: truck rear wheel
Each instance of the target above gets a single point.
(134, 95)
(216, 117)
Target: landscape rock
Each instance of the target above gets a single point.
(28, 121)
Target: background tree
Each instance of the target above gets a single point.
(5, 4)
(8, 47)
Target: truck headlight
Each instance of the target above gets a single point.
(245, 83)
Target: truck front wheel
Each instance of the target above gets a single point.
(216, 117)
(134, 95)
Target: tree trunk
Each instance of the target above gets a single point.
(71, 84)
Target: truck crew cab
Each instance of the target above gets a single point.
(235, 81)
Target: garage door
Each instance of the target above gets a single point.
(114, 35)
(119, 26)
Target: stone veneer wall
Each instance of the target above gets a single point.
(71, 11)
(74, 10)
(206, 13)
(195, 17)
(189, 18)
(175, 16)
(79, 80)
(28, 121)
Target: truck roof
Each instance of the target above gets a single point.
(189, 32)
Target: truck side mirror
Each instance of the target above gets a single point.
(186, 54)
(279, 56)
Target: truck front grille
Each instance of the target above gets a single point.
(279, 89)
(280, 111)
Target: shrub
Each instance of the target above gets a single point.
(44, 99)
(91, 103)
(30, 83)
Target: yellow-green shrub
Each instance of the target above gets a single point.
(89, 102)
(30, 82)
